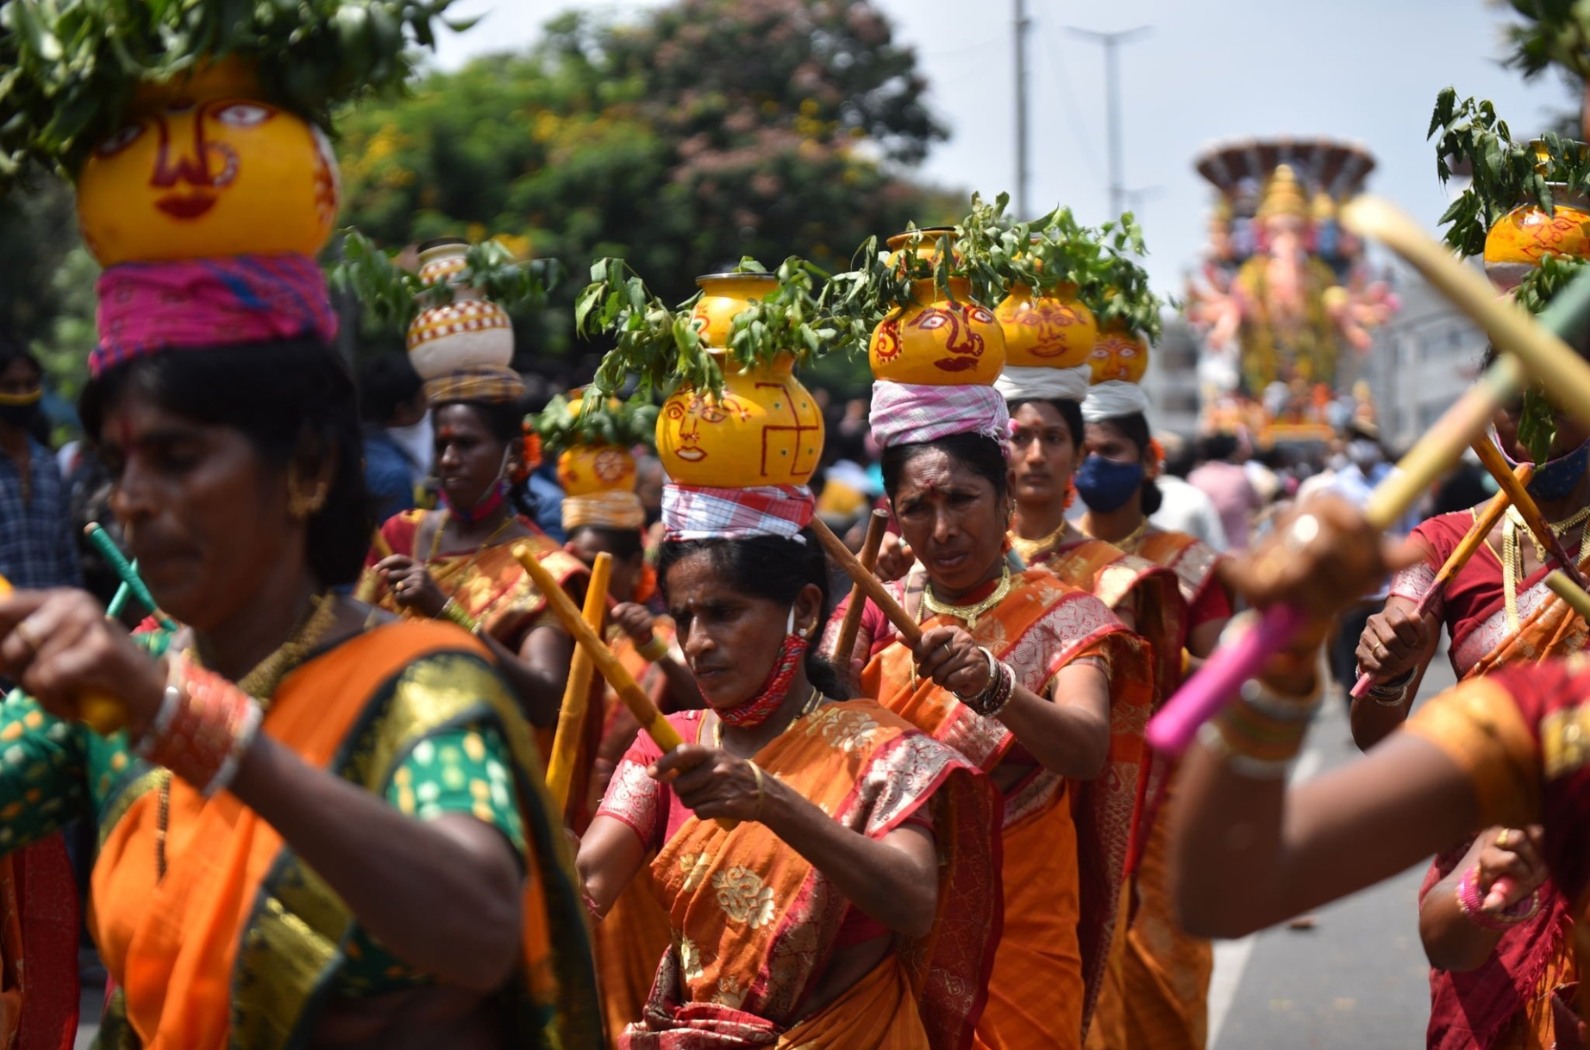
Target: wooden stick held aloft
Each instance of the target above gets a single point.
(871, 586)
(1570, 592)
(850, 626)
(1471, 542)
(577, 693)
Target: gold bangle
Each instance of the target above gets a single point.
(655, 649)
(761, 785)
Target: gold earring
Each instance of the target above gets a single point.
(304, 505)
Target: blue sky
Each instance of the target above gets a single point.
(1361, 70)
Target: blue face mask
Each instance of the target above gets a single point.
(1555, 478)
(1106, 485)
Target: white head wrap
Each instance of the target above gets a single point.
(1113, 399)
(1026, 383)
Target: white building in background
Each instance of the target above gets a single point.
(1423, 360)
(1171, 381)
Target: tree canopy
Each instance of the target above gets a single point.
(706, 131)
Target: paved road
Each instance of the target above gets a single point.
(1357, 979)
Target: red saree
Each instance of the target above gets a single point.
(1502, 1003)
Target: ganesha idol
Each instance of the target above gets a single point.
(937, 340)
(204, 167)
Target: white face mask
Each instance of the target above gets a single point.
(418, 440)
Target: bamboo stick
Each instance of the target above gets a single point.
(850, 626)
(577, 693)
(1471, 542)
(871, 586)
(1570, 592)
(629, 691)
(1491, 459)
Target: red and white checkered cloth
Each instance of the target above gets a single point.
(913, 413)
(696, 512)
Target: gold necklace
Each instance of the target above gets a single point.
(436, 540)
(807, 708)
(261, 683)
(1029, 549)
(1128, 543)
(969, 614)
(1516, 522)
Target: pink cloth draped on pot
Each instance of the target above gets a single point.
(196, 303)
(697, 512)
(913, 413)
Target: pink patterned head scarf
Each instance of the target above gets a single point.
(195, 303)
(913, 413)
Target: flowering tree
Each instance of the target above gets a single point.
(707, 131)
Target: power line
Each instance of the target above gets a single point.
(1112, 101)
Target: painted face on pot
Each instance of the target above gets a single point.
(188, 179)
(1117, 355)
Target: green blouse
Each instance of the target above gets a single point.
(53, 771)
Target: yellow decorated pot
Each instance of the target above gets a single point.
(1118, 354)
(467, 332)
(938, 342)
(587, 470)
(766, 429)
(1518, 241)
(1046, 331)
(723, 295)
(202, 168)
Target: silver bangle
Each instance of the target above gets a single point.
(1279, 706)
(1210, 736)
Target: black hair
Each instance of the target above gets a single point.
(1069, 411)
(386, 382)
(503, 420)
(11, 350)
(1217, 447)
(289, 398)
(978, 453)
(1134, 427)
(774, 569)
(623, 544)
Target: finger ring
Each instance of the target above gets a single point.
(1380, 650)
(25, 631)
(1303, 532)
(1503, 837)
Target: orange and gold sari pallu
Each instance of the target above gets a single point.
(755, 922)
(1065, 842)
(236, 946)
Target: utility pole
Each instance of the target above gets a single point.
(1022, 24)
(1112, 101)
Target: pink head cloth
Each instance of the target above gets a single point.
(913, 413)
(194, 303)
(696, 512)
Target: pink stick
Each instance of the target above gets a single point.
(1218, 680)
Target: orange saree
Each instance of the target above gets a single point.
(1065, 842)
(239, 943)
(634, 934)
(755, 922)
(1157, 994)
